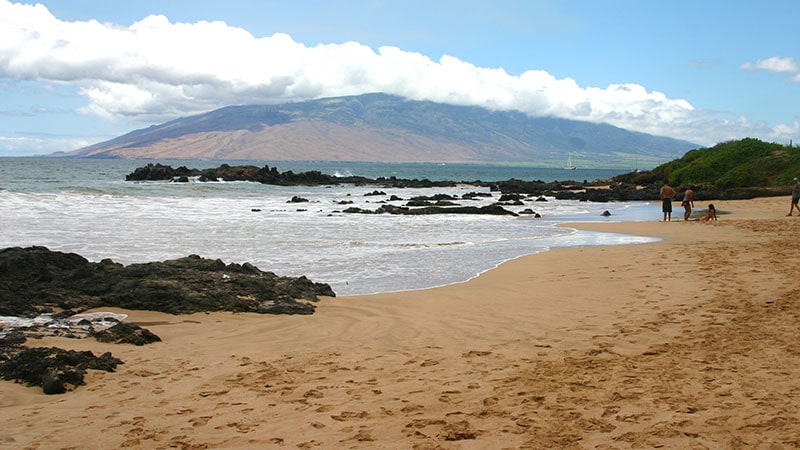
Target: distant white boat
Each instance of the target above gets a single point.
(569, 165)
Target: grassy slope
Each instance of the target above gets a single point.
(742, 163)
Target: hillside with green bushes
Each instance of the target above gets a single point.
(734, 164)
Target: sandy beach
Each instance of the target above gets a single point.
(689, 342)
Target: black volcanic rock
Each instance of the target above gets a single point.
(52, 368)
(35, 280)
(512, 190)
(270, 175)
(155, 172)
(126, 333)
(496, 210)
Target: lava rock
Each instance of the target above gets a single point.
(126, 333)
(35, 280)
(51, 368)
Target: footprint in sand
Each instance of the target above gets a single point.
(348, 415)
(213, 393)
(411, 408)
(474, 353)
(313, 393)
(240, 427)
(200, 421)
(363, 435)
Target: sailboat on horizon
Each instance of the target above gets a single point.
(569, 165)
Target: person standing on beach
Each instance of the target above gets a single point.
(667, 194)
(688, 203)
(795, 197)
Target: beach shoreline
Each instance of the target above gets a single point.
(684, 342)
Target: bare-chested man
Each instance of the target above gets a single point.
(688, 203)
(667, 194)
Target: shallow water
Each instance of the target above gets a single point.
(86, 207)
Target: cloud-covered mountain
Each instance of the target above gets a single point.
(380, 127)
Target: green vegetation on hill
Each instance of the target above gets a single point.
(734, 164)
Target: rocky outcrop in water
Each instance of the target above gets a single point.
(267, 175)
(402, 210)
(621, 188)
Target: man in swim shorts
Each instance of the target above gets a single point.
(688, 203)
(667, 194)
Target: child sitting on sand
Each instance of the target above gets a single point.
(712, 213)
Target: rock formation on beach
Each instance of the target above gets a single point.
(55, 370)
(35, 280)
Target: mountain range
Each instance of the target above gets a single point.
(386, 128)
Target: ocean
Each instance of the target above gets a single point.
(85, 206)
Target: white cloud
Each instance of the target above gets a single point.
(25, 146)
(156, 70)
(773, 64)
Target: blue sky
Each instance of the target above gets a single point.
(77, 72)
